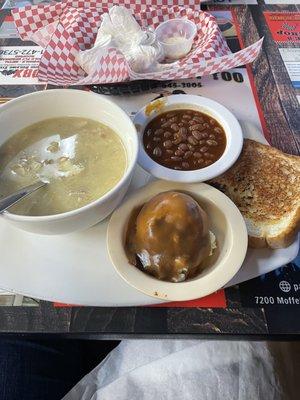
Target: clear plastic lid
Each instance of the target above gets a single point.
(176, 37)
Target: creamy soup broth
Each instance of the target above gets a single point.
(81, 159)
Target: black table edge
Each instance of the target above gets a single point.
(121, 336)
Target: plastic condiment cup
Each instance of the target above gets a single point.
(176, 37)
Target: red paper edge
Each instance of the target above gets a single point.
(214, 300)
(60, 305)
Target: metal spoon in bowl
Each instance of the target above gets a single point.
(13, 198)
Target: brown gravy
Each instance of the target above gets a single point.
(168, 237)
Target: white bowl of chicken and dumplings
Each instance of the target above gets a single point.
(58, 156)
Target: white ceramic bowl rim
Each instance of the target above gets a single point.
(20, 99)
(231, 126)
(211, 281)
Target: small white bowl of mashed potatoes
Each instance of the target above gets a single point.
(81, 143)
(177, 241)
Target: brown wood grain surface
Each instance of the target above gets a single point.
(276, 93)
(287, 94)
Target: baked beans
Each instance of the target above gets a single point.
(184, 139)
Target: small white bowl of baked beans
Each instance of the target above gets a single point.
(187, 138)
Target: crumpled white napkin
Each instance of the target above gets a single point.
(182, 370)
(119, 29)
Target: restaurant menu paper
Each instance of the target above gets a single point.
(241, 101)
(19, 64)
(236, 82)
(285, 30)
(284, 27)
(291, 59)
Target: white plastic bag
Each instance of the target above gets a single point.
(119, 29)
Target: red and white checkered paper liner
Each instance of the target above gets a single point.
(63, 29)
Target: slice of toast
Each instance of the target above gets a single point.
(264, 183)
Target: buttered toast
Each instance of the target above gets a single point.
(264, 183)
